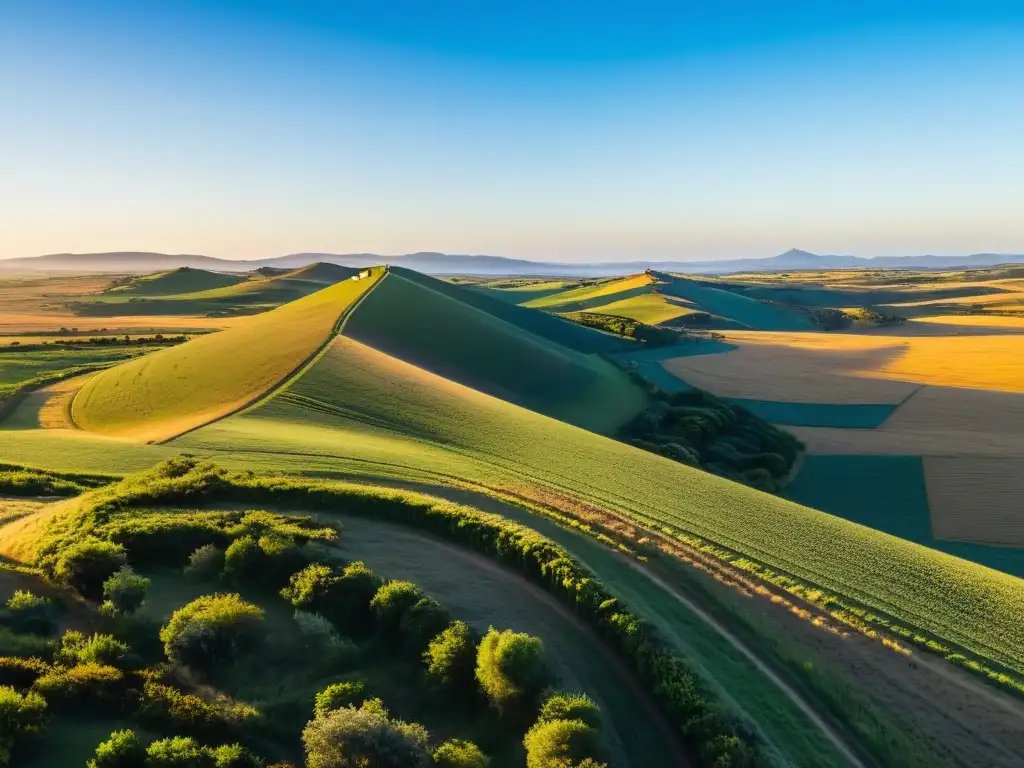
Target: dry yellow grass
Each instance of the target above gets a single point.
(790, 374)
(976, 499)
(977, 361)
(990, 322)
(18, 539)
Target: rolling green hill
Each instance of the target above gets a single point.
(175, 281)
(755, 314)
(586, 296)
(415, 323)
(169, 392)
(358, 410)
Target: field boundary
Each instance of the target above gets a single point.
(311, 360)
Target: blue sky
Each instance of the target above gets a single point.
(572, 130)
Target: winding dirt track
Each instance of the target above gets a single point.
(490, 504)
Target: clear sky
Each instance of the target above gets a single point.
(537, 129)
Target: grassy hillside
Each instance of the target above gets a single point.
(358, 410)
(182, 280)
(175, 390)
(419, 325)
(750, 312)
(543, 324)
(585, 296)
(650, 308)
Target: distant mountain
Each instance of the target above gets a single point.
(454, 264)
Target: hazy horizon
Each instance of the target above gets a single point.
(569, 132)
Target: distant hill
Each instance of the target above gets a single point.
(455, 264)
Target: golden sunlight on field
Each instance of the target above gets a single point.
(802, 367)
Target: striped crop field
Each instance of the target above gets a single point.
(578, 298)
(177, 389)
(361, 411)
(649, 308)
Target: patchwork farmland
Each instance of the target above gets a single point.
(777, 619)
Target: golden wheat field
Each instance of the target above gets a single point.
(976, 499)
(977, 361)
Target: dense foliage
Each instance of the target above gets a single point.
(650, 335)
(699, 429)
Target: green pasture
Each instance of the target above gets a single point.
(649, 308)
(887, 493)
(544, 324)
(601, 290)
(734, 306)
(359, 411)
(455, 340)
(856, 416)
(176, 389)
(18, 366)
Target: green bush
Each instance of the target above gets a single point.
(20, 713)
(211, 630)
(570, 706)
(233, 756)
(451, 660)
(321, 643)
(86, 688)
(167, 708)
(356, 738)
(126, 590)
(27, 612)
(122, 750)
(268, 560)
(557, 743)
(19, 644)
(76, 648)
(422, 622)
(243, 559)
(177, 752)
(390, 604)
(510, 668)
(205, 562)
(20, 673)
(457, 753)
(348, 694)
(86, 565)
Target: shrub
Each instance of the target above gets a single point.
(390, 605)
(126, 590)
(177, 752)
(21, 673)
(422, 622)
(353, 738)
(510, 667)
(87, 564)
(27, 612)
(243, 559)
(343, 598)
(122, 750)
(212, 629)
(20, 713)
(347, 694)
(85, 687)
(17, 644)
(451, 659)
(166, 707)
(561, 743)
(570, 706)
(76, 648)
(233, 756)
(457, 753)
(205, 562)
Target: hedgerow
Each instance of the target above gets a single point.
(713, 734)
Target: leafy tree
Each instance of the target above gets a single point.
(457, 753)
(570, 706)
(558, 743)
(357, 738)
(347, 694)
(126, 590)
(87, 564)
(390, 605)
(451, 659)
(212, 629)
(510, 667)
(122, 750)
